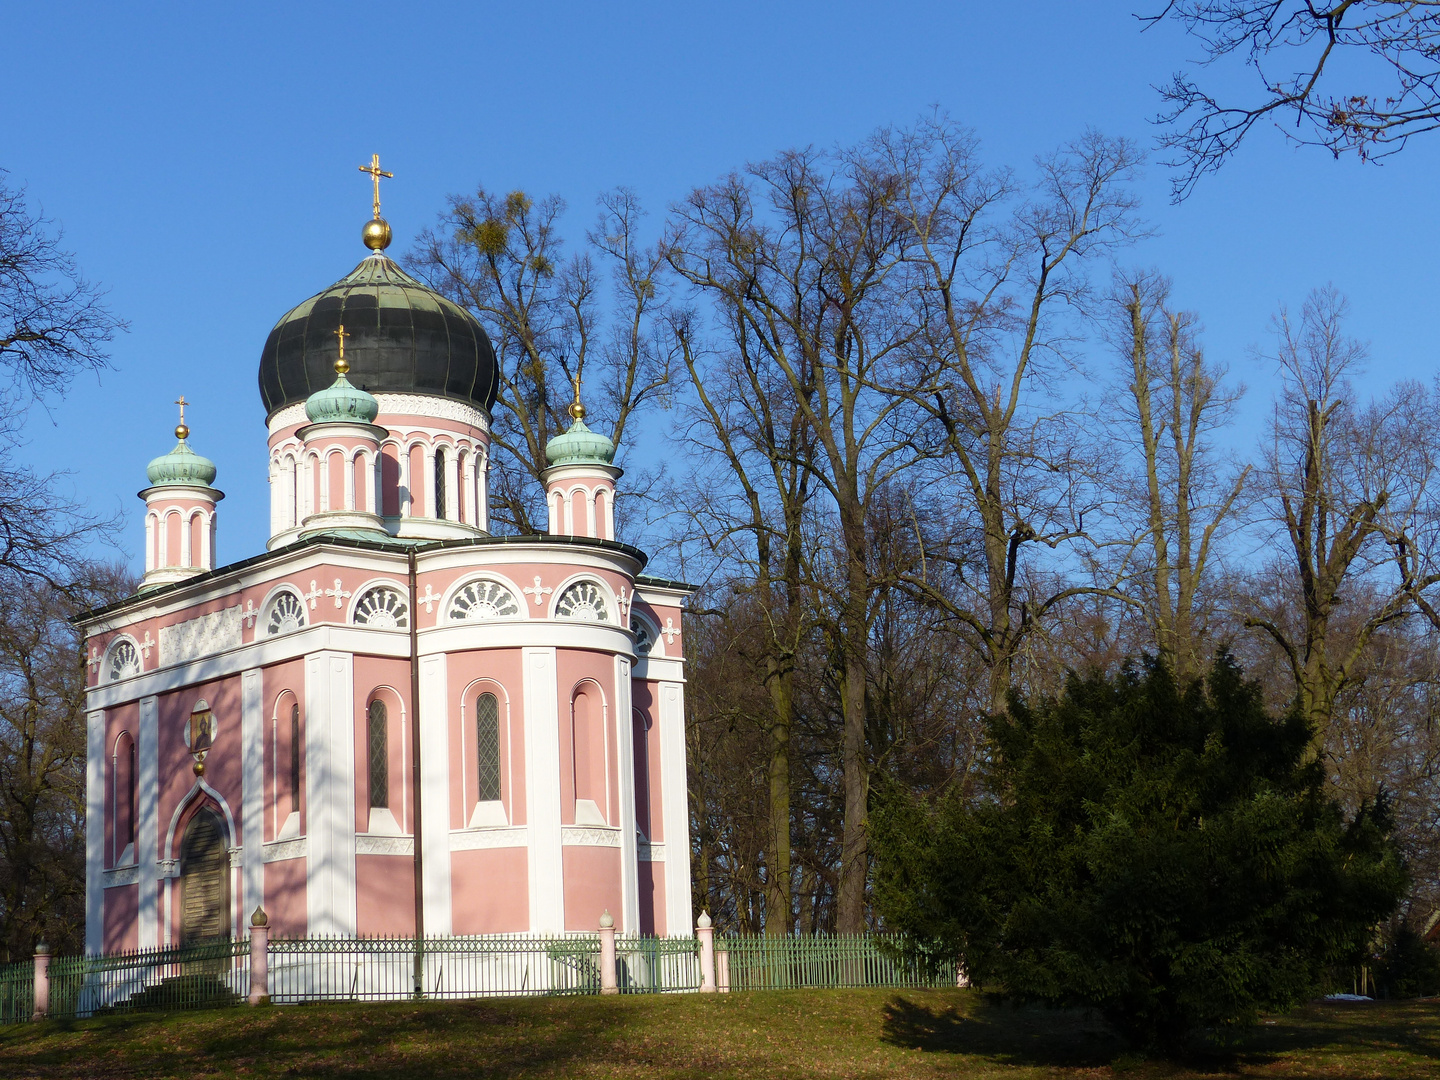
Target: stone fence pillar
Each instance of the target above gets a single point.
(42, 981)
(259, 958)
(609, 984)
(705, 931)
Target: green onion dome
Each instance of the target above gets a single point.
(341, 402)
(580, 446)
(181, 466)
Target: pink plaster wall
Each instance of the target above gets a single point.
(335, 475)
(489, 892)
(470, 674)
(285, 897)
(596, 671)
(592, 886)
(642, 699)
(385, 894)
(283, 684)
(122, 719)
(389, 680)
(122, 914)
(651, 881)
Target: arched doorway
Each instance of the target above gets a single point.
(205, 878)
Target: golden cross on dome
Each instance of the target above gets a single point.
(341, 365)
(577, 410)
(180, 429)
(375, 174)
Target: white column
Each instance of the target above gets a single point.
(452, 485)
(147, 823)
(162, 549)
(675, 808)
(568, 502)
(275, 504)
(542, 792)
(152, 547)
(482, 490)
(590, 512)
(377, 482)
(435, 793)
(185, 553)
(94, 832)
(252, 790)
(427, 482)
(407, 492)
(330, 792)
(625, 741)
(349, 462)
(472, 508)
(210, 540)
(292, 494)
(324, 482)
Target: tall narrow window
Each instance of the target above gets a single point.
(379, 757)
(487, 746)
(294, 757)
(130, 799)
(440, 482)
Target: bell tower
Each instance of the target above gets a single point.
(580, 482)
(179, 513)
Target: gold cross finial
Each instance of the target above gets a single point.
(180, 429)
(375, 174)
(577, 410)
(341, 365)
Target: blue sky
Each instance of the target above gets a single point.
(203, 164)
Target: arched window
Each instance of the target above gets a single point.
(383, 607)
(379, 756)
(583, 601)
(286, 613)
(487, 746)
(588, 756)
(440, 482)
(295, 757)
(483, 600)
(640, 733)
(130, 796)
(123, 660)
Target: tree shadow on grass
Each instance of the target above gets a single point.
(1002, 1033)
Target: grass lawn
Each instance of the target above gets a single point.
(802, 1033)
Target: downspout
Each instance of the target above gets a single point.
(415, 778)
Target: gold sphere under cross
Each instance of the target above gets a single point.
(181, 431)
(342, 366)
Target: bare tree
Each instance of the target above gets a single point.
(1386, 54)
(1175, 401)
(503, 257)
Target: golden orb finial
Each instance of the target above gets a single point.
(342, 366)
(376, 234)
(577, 410)
(181, 431)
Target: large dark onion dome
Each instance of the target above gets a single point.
(401, 337)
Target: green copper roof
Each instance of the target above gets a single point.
(340, 402)
(580, 446)
(181, 466)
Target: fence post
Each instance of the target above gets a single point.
(42, 981)
(706, 933)
(259, 958)
(609, 984)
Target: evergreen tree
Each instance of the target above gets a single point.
(1166, 855)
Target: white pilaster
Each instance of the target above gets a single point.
(678, 913)
(147, 822)
(542, 792)
(330, 792)
(452, 485)
(186, 555)
(435, 793)
(94, 832)
(407, 493)
(625, 741)
(482, 493)
(252, 787)
(349, 483)
(324, 483)
(427, 483)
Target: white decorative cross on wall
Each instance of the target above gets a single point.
(338, 593)
(146, 646)
(428, 600)
(670, 631)
(94, 658)
(537, 591)
(313, 595)
(625, 604)
(250, 613)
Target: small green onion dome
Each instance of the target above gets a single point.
(181, 466)
(580, 446)
(341, 402)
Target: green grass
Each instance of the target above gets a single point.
(833, 1033)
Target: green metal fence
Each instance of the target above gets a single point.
(651, 965)
(205, 975)
(17, 992)
(823, 960)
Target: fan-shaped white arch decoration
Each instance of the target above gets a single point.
(483, 600)
(584, 601)
(383, 607)
(122, 660)
(286, 614)
(644, 634)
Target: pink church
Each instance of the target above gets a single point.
(389, 702)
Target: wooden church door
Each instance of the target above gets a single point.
(204, 879)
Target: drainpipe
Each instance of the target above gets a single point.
(415, 777)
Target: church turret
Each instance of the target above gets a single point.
(580, 482)
(179, 513)
(342, 445)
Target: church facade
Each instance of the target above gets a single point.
(389, 702)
